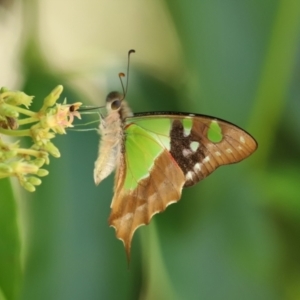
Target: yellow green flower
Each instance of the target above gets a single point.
(53, 118)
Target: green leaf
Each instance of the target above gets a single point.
(2, 297)
(10, 265)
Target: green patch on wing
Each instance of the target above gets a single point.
(158, 127)
(187, 125)
(214, 132)
(142, 147)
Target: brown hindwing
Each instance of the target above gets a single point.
(133, 208)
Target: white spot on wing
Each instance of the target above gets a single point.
(189, 175)
(242, 140)
(218, 153)
(194, 146)
(186, 152)
(206, 159)
(228, 150)
(186, 132)
(197, 167)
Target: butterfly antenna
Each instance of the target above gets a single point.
(122, 84)
(125, 89)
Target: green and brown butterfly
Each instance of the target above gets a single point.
(156, 155)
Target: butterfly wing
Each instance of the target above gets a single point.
(163, 153)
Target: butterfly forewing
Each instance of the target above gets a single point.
(163, 152)
(199, 144)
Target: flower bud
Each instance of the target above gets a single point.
(39, 162)
(24, 168)
(52, 149)
(10, 154)
(51, 99)
(34, 180)
(5, 168)
(42, 172)
(8, 111)
(19, 98)
(3, 90)
(28, 186)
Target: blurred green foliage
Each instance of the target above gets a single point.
(236, 235)
(10, 260)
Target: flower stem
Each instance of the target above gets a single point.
(30, 152)
(23, 132)
(23, 111)
(28, 120)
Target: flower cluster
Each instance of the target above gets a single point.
(53, 118)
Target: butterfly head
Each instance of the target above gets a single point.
(115, 103)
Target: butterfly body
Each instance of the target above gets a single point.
(156, 155)
(111, 131)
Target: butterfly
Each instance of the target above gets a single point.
(156, 155)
